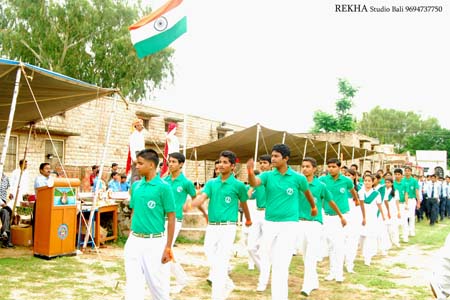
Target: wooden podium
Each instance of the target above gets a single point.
(55, 220)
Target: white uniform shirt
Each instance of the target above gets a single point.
(137, 143)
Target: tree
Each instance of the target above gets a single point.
(343, 121)
(395, 127)
(85, 39)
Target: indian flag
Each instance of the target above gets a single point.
(159, 29)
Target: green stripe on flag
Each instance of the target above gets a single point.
(158, 42)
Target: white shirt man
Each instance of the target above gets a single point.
(137, 143)
(24, 181)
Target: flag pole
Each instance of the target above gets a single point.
(184, 138)
(12, 111)
(97, 186)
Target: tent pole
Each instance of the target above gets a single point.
(257, 142)
(184, 139)
(325, 159)
(304, 150)
(353, 155)
(21, 170)
(339, 151)
(97, 187)
(12, 111)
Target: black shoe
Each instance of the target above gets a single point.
(10, 245)
(209, 282)
(4, 245)
(4, 236)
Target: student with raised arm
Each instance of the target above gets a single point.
(283, 186)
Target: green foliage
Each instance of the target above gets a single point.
(405, 130)
(343, 121)
(87, 40)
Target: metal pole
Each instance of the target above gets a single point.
(102, 163)
(325, 159)
(284, 137)
(21, 170)
(12, 110)
(257, 142)
(353, 155)
(184, 139)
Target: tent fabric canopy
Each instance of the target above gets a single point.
(55, 93)
(243, 143)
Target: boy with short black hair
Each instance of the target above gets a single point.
(148, 250)
(225, 192)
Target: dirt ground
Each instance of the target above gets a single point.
(418, 262)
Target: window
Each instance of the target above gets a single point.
(50, 154)
(11, 154)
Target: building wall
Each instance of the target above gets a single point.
(83, 131)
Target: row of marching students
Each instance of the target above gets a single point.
(296, 205)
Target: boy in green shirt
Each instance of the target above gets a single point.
(401, 187)
(224, 193)
(283, 186)
(310, 227)
(181, 188)
(147, 250)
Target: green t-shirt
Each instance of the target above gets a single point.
(411, 186)
(150, 201)
(401, 188)
(282, 194)
(320, 194)
(339, 189)
(181, 187)
(259, 193)
(224, 198)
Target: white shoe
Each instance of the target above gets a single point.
(340, 279)
(229, 288)
(261, 287)
(330, 277)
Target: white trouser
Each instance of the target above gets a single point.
(335, 238)
(309, 235)
(412, 203)
(384, 242)
(143, 263)
(176, 269)
(441, 267)
(404, 221)
(218, 247)
(352, 233)
(392, 229)
(279, 241)
(255, 233)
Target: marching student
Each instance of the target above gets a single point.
(353, 229)
(283, 186)
(310, 227)
(372, 202)
(181, 188)
(383, 241)
(339, 187)
(148, 250)
(412, 188)
(392, 200)
(224, 193)
(255, 235)
(400, 186)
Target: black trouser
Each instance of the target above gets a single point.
(447, 208)
(442, 207)
(434, 212)
(427, 207)
(5, 217)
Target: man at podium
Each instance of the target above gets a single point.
(43, 177)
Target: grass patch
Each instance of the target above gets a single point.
(431, 237)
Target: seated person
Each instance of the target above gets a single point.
(5, 213)
(114, 183)
(124, 184)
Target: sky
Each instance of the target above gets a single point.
(277, 62)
